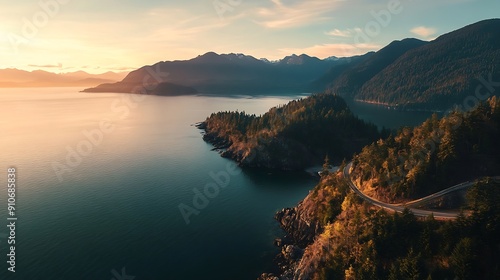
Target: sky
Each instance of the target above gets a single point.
(121, 35)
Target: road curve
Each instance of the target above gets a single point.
(410, 205)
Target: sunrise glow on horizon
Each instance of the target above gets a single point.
(99, 36)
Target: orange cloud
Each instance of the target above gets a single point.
(423, 31)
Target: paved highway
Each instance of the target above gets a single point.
(412, 204)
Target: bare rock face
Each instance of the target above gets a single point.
(287, 262)
(300, 229)
(275, 153)
(303, 225)
(268, 276)
(300, 232)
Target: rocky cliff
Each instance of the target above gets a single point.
(304, 223)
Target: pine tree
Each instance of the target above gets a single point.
(326, 166)
(462, 259)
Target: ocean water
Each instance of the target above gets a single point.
(388, 118)
(100, 178)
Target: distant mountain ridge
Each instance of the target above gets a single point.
(353, 78)
(40, 78)
(408, 74)
(412, 74)
(213, 73)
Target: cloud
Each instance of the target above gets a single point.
(327, 50)
(423, 31)
(281, 15)
(341, 33)
(59, 65)
(126, 68)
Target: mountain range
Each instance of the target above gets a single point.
(213, 73)
(407, 74)
(40, 78)
(436, 75)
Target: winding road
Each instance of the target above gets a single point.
(443, 215)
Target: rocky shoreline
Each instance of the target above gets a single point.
(304, 222)
(219, 143)
(300, 231)
(301, 227)
(293, 155)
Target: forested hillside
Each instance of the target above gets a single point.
(350, 81)
(417, 75)
(433, 156)
(442, 73)
(291, 136)
(332, 234)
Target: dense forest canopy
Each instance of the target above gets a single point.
(291, 136)
(437, 75)
(433, 156)
(361, 242)
(350, 81)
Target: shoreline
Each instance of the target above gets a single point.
(398, 107)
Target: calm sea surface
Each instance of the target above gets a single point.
(100, 178)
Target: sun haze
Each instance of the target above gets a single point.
(99, 36)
